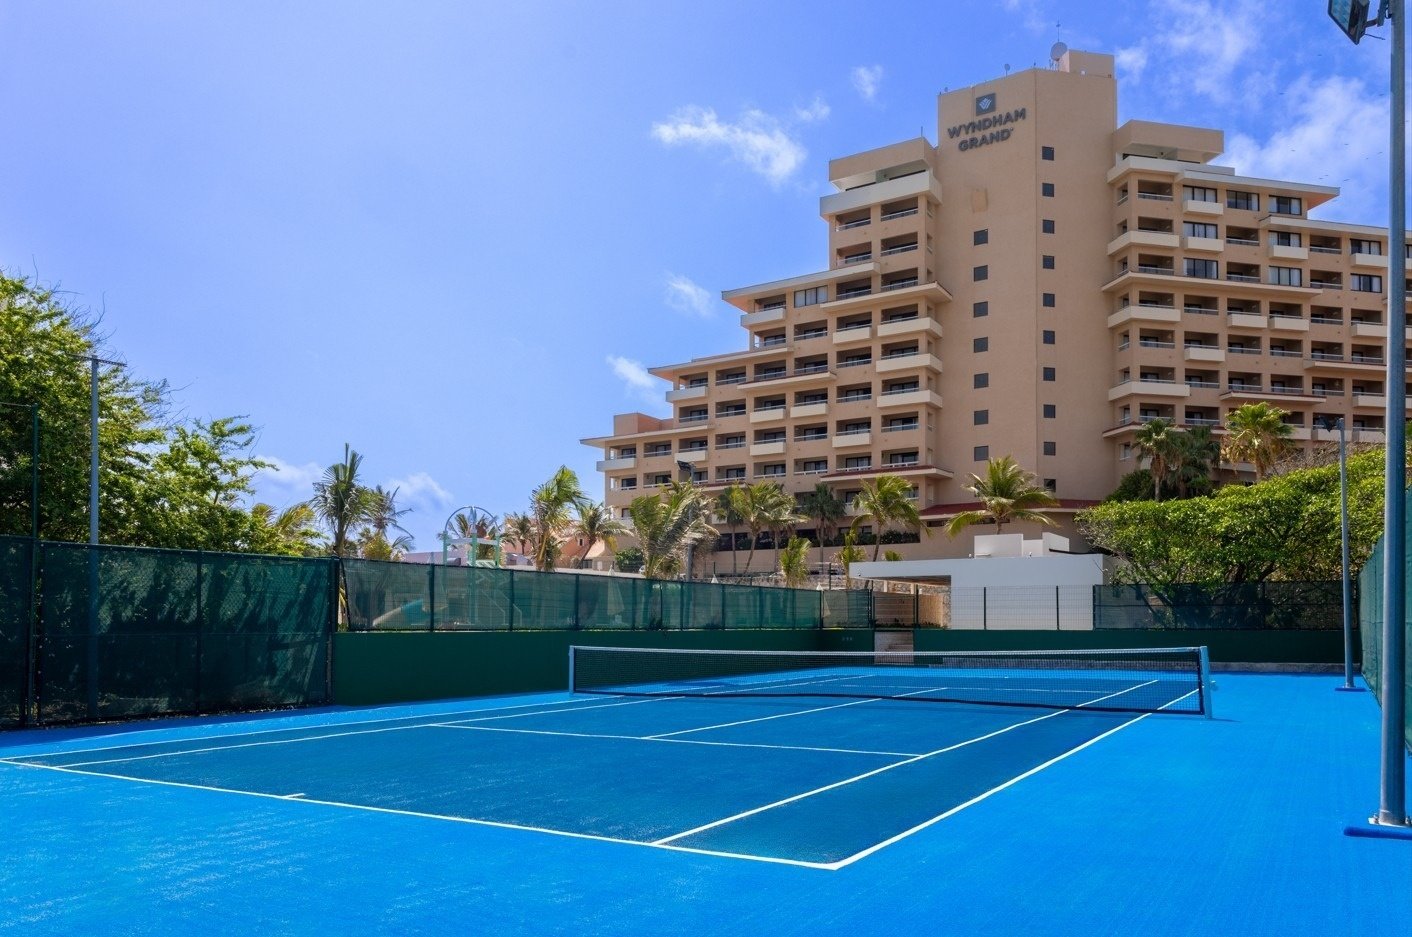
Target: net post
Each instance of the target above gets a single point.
(572, 649)
(1205, 653)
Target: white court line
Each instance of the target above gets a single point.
(307, 738)
(995, 790)
(876, 771)
(655, 738)
(432, 816)
(292, 713)
(798, 712)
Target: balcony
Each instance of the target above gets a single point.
(1280, 395)
(1369, 261)
(686, 393)
(1143, 313)
(921, 184)
(914, 325)
(918, 397)
(1148, 388)
(616, 465)
(852, 439)
(1203, 353)
(1246, 320)
(1283, 323)
(767, 448)
(762, 317)
(851, 334)
(767, 414)
(694, 456)
(1196, 207)
(1288, 252)
(856, 398)
(1143, 239)
(902, 427)
(858, 258)
(1204, 245)
(808, 409)
(908, 361)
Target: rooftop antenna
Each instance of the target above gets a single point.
(1007, 68)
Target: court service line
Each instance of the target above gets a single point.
(431, 816)
(292, 714)
(876, 771)
(997, 789)
(307, 738)
(654, 738)
(797, 712)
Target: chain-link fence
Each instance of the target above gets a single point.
(1248, 606)
(403, 597)
(1370, 626)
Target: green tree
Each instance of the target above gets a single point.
(849, 554)
(794, 562)
(384, 537)
(1256, 433)
(628, 560)
(731, 506)
(550, 505)
(885, 500)
(291, 532)
(778, 512)
(1198, 453)
(342, 503)
(1007, 493)
(666, 524)
(482, 526)
(1157, 439)
(519, 530)
(1134, 486)
(825, 509)
(595, 522)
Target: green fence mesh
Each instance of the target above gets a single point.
(125, 632)
(16, 593)
(1307, 606)
(402, 597)
(1370, 624)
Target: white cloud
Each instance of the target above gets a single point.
(284, 483)
(684, 295)
(636, 378)
(866, 79)
(816, 111)
(1215, 48)
(1317, 143)
(1131, 62)
(420, 492)
(1034, 18)
(757, 139)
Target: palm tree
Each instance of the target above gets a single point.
(778, 512)
(1256, 433)
(341, 502)
(293, 530)
(731, 507)
(794, 562)
(519, 529)
(886, 500)
(666, 526)
(752, 503)
(549, 505)
(480, 525)
(1007, 493)
(596, 522)
(826, 509)
(849, 554)
(1199, 452)
(1158, 441)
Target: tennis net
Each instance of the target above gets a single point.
(1171, 680)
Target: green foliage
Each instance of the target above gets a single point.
(1007, 493)
(162, 482)
(1134, 486)
(849, 554)
(549, 507)
(794, 562)
(1256, 433)
(825, 509)
(628, 560)
(667, 524)
(1285, 527)
(596, 522)
(891, 556)
(884, 500)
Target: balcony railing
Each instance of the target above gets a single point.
(731, 445)
(1153, 343)
(1146, 268)
(1326, 392)
(733, 379)
(899, 427)
(1325, 320)
(815, 333)
(900, 390)
(1248, 242)
(1191, 382)
(733, 411)
(1234, 386)
(911, 352)
(1239, 350)
(772, 341)
(694, 418)
(1325, 284)
(811, 471)
(1154, 196)
(769, 408)
(900, 249)
(1324, 250)
(903, 213)
(1241, 278)
(813, 437)
(899, 463)
(1287, 391)
(855, 362)
(849, 226)
(854, 327)
(1201, 311)
(899, 284)
(862, 431)
(855, 398)
(855, 292)
(858, 258)
(1201, 421)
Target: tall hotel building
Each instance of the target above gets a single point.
(1038, 284)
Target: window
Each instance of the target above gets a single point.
(1357, 246)
(980, 237)
(1286, 276)
(980, 453)
(1049, 448)
(1201, 269)
(980, 309)
(1048, 374)
(1050, 411)
(1047, 261)
(1197, 229)
(1048, 336)
(1286, 239)
(980, 273)
(1047, 226)
(981, 380)
(1196, 193)
(1047, 153)
(1051, 484)
(1246, 201)
(1046, 189)
(980, 417)
(810, 297)
(1365, 283)
(980, 344)
(1286, 205)
(858, 462)
(1048, 300)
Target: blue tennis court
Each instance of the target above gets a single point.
(603, 813)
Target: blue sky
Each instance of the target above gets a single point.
(452, 234)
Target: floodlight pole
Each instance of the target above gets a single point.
(1348, 684)
(1392, 804)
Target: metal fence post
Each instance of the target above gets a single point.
(200, 629)
(1057, 625)
(510, 612)
(577, 577)
(985, 612)
(431, 596)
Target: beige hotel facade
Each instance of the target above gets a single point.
(1037, 284)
